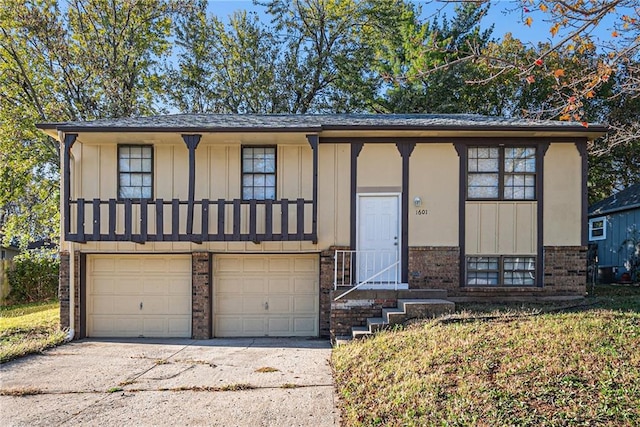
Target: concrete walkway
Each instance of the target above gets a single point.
(146, 382)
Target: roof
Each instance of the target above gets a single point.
(317, 123)
(629, 198)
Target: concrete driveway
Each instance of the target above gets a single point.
(146, 382)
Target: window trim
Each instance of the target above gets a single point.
(242, 172)
(593, 238)
(501, 172)
(501, 271)
(153, 180)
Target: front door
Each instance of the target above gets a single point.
(378, 238)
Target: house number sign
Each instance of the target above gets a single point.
(422, 212)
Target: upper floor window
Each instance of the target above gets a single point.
(258, 173)
(598, 228)
(501, 173)
(135, 171)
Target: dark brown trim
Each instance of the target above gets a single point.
(313, 142)
(472, 140)
(191, 142)
(582, 149)
(541, 151)
(211, 313)
(461, 149)
(82, 296)
(405, 150)
(69, 140)
(356, 148)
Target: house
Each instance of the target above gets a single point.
(611, 222)
(256, 225)
(8, 251)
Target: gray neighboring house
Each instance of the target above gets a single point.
(8, 252)
(610, 222)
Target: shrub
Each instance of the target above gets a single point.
(34, 277)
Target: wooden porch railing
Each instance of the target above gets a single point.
(198, 221)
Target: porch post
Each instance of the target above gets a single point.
(405, 150)
(356, 148)
(69, 140)
(313, 141)
(192, 142)
(540, 153)
(461, 149)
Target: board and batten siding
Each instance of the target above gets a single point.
(218, 176)
(562, 210)
(618, 228)
(501, 228)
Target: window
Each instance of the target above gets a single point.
(135, 171)
(598, 228)
(258, 173)
(501, 271)
(501, 173)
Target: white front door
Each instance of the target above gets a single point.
(378, 238)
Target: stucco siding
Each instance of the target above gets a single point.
(434, 178)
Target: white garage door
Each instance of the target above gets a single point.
(139, 296)
(265, 295)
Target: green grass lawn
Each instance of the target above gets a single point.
(497, 366)
(30, 328)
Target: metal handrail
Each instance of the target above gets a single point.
(364, 282)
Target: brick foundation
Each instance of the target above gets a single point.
(201, 295)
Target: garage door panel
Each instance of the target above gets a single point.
(279, 325)
(280, 304)
(279, 284)
(253, 285)
(304, 304)
(102, 265)
(179, 305)
(126, 285)
(102, 304)
(304, 325)
(104, 286)
(304, 265)
(272, 295)
(118, 284)
(253, 265)
(279, 265)
(304, 285)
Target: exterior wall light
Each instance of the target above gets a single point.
(417, 201)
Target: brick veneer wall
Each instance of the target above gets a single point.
(565, 270)
(201, 295)
(434, 267)
(63, 289)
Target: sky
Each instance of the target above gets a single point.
(506, 16)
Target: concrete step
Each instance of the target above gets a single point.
(393, 316)
(426, 308)
(359, 332)
(376, 323)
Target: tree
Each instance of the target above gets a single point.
(93, 59)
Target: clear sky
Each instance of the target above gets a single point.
(506, 16)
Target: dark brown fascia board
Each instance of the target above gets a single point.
(599, 129)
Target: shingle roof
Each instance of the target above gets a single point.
(317, 122)
(629, 198)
